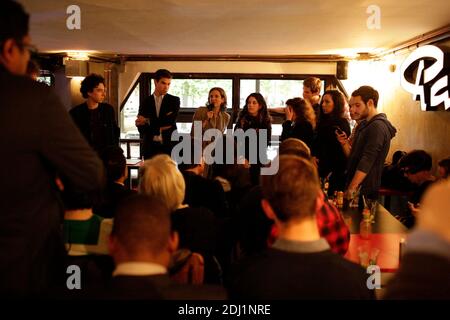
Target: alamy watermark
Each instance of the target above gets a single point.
(235, 144)
(73, 21)
(374, 280)
(374, 20)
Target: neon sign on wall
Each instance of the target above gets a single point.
(425, 74)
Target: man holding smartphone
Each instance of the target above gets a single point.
(370, 146)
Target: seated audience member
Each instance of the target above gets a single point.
(444, 168)
(300, 264)
(393, 177)
(424, 271)
(142, 245)
(200, 191)
(86, 238)
(84, 232)
(256, 227)
(117, 173)
(300, 121)
(197, 227)
(417, 168)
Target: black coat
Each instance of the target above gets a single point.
(276, 274)
(107, 134)
(302, 130)
(168, 113)
(39, 141)
(329, 151)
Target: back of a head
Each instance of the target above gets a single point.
(435, 208)
(416, 161)
(14, 21)
(292, 191)
(114, 161)
(74, 199)
(296, 147)
(142, 223)
(160, 178)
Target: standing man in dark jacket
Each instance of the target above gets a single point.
(39, 141)
(95, 119)
(371, 143)
(157, 116)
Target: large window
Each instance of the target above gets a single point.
(193, 93)
(128, 116)
(275, 92)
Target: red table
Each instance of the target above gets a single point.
(387, 243)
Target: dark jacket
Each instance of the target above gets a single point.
(99, 126)
(40, 141)
(202, 192)
(421, 276)
(302, 130)
(278, 274)
(113, 194)
(158, 287)
(329, 151)
(369, 150)
(168, 113)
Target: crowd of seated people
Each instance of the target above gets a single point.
(232, 233)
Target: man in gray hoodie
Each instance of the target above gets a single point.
(370, 145)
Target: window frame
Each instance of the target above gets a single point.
(186, 114)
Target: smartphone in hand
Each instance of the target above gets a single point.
(338, 130)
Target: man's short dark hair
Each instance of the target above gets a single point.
(416, 161)
(366, 93)
(142, 223)
(293, 190)
(90, 83)
(14, 22)
(114, 161)
(163, 73)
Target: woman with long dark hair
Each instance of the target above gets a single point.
(254, 116)
(300, 121)
(328, 150)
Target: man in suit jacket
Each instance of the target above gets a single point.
(300, 264)
(157, 116)
(142, 257)
(39, 141)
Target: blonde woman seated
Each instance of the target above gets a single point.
(213, 116)
(196, 226)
